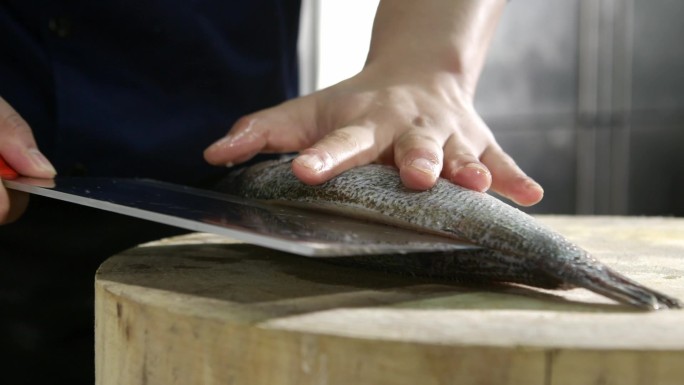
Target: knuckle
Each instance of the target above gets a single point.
(464, 157)
(456, 161)
(422, 121)
(344, 138)
(244, 122)
(341, 107)
(416, 139)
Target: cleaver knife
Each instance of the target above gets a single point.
(288, 229)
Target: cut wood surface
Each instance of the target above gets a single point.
(203, 309)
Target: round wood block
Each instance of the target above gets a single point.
(201, 309)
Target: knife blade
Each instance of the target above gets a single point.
(292, 230)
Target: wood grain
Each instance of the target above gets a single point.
(203, 309)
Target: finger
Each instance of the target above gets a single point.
(283, 128)
(419, 154)
(337, 152)
(462, 166)
(509, 180)
(12, 204)
(18, 146)
(245, 139)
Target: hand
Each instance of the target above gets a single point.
(425, 127)
(19, 149)
(411, 106)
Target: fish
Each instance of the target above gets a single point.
(514, 247)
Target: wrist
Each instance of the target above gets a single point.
(434, 37)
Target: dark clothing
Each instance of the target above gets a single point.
(49, 261)
(140, 88)
(118, 88)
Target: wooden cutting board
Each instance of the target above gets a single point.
(201, 309)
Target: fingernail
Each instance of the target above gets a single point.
(480, 169)
(40, 161)
(534, 186)
(424, 165)
(312, 162)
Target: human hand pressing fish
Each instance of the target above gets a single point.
(411, 106)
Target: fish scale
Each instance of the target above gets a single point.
(515, 247)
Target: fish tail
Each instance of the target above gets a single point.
(606, 281)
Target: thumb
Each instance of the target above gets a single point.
(18, 146)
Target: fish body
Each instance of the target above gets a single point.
(516, 247)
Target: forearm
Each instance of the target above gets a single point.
(435, 35)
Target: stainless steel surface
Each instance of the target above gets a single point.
(658, 79)
(531, 68)
(656, 173)
(603, 102)
(527, 94)
(588, 97)
(292, 230)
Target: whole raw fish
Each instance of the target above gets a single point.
(516, 247)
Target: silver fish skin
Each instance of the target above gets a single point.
(517, 248)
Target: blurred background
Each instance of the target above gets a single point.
(586, 95)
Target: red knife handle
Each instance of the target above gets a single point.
(6, 172)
